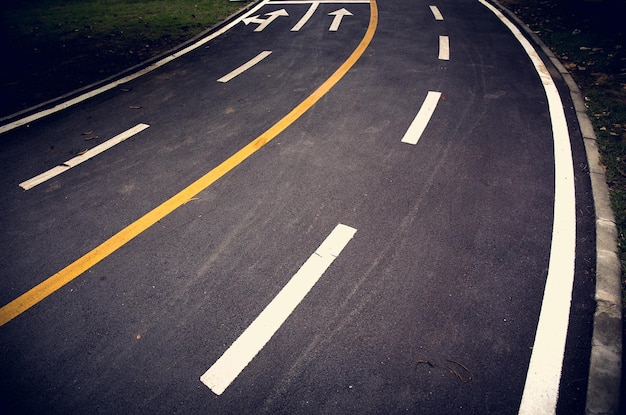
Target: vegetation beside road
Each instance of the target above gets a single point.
(589, 38)
(52, 47)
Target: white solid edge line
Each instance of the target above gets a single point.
(126, 79)
(436, 13)
(258, 58)
(546, 362)
(416, 129)
(55, 171)
(226, 369)
(444, 48)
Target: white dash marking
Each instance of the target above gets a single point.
(55, 171)
(253, 339)
(436, 12)
(258, 58)
(306, 16)
(444, 48)
(422, 118)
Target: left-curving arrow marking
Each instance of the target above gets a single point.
(339, 15)
(314, 5)
(263, 23)
(53, 283)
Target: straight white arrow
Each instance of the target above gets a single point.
(263, 23)
(339, 14)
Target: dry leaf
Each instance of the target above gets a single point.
(193, 198)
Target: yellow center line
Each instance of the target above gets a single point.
(76, 268)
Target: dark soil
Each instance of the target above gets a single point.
(35, 73)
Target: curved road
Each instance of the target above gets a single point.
(322, 207)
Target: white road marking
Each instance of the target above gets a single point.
(422, 118)
(55, 171)
(263, 23)
(339, 15)
(306, 16)
(444, 48)
(255, 337)
(317, 1)
(546, 362)
(92, 93)
(245, 66)
(436, 12)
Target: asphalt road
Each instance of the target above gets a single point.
(359, 273)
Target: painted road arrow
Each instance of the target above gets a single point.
(263, 23)
(339, 14)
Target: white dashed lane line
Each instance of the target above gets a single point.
(416, 129)
(444, 48)
(436, 13)
(55, 171)
(258, 58)
(226, 369)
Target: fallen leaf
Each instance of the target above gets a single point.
(569, 65)
(193, 198)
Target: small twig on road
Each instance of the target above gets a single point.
(450, 370)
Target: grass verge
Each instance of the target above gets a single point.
(55, 46)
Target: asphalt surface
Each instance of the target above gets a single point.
(431, 307)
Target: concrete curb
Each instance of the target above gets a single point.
(43, 106)
(605, 366)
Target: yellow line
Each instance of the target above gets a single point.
(72, 271)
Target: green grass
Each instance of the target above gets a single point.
(56, 46)
(52, 21)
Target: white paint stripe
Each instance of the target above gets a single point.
(436, 12)
(258, 58)
(546, 362)
(126, 79)
(444, 48)
(306, 16)
(255, 337)
(55, 171)
(416, 129)
(318, 1)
